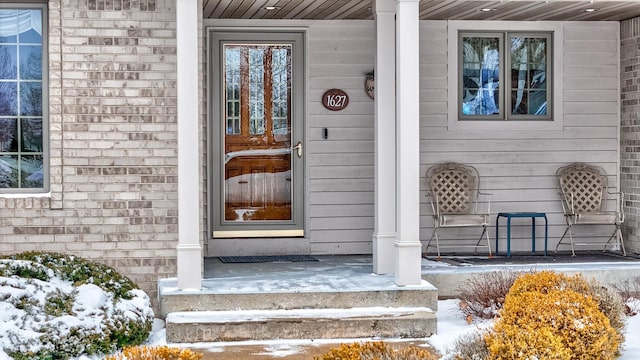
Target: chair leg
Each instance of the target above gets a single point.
(617, 233)
(485, 234)
(621, 239)
(613, 235)
(567, 231)
(562, 237)
(434, 234)
(437, 244)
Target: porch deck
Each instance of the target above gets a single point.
(355, 272)
(451, 272)
(339, 296)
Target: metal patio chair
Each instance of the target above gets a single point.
(584, 197)
(454, 190)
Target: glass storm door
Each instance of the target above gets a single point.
(256, 127)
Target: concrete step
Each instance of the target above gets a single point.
(209, 300)
(326, 323)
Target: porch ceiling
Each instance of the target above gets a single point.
(566, 10)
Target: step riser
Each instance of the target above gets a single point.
(418, 325)
(297, 300)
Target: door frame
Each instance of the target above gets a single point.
(218, 227)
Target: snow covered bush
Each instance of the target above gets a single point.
(376, 351)
(547, 315)
(55, 306)
(155, 353)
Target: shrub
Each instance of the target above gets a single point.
(552, 316)
(630, 292)
(611, 304)
(64, 306)
(80, 271)
(376, 351)
(471, 346)
(482, 295)
(155, 353)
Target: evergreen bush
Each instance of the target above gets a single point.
(64, 306)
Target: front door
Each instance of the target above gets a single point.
(257, 113)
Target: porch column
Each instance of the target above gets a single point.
(189, 252)
(409, 248)
(384, 236)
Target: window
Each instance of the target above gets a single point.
(23, 103)
(505, 76)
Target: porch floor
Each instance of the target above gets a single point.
(355, 272)
(329, 273)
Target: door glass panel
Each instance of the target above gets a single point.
(256, 91)
(257, 141)
(232, 86)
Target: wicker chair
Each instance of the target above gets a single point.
(584, 197)
(454, 190)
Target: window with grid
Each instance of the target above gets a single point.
(23, 104)
(505, 76)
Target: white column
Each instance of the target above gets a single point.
(189, 250)
(384, 236)
(408, 246)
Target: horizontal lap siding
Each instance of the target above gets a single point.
(518, 166)
(340, 168)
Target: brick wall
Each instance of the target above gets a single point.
(630, 129)
(112, 132)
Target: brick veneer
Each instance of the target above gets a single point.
(630, 129)
(112, 87)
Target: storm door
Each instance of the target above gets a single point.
(256, 119)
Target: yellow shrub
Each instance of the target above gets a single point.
(548, 316)
(375, 351)
(155, 353)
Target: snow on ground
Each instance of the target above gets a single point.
(451, 325)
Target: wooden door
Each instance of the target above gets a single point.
(258, 150)
(259, 145)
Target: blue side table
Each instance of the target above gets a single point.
(533, 216)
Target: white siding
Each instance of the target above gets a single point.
(517, 165)
(340, 169)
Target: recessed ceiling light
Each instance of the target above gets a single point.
(590, 10)
(487, 9)
(271, 8)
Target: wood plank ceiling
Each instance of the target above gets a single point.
(566, 10)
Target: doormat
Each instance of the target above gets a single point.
(266, 259)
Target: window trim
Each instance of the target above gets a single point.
(557, 117)
(46, 184)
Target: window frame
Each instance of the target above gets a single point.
(37, 5)
(556, 119)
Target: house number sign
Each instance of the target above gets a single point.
(335, 99)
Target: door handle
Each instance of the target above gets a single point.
(298, 148)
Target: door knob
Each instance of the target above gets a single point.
(298, 148)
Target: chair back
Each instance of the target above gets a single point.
(586, 183)
(454, 187)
